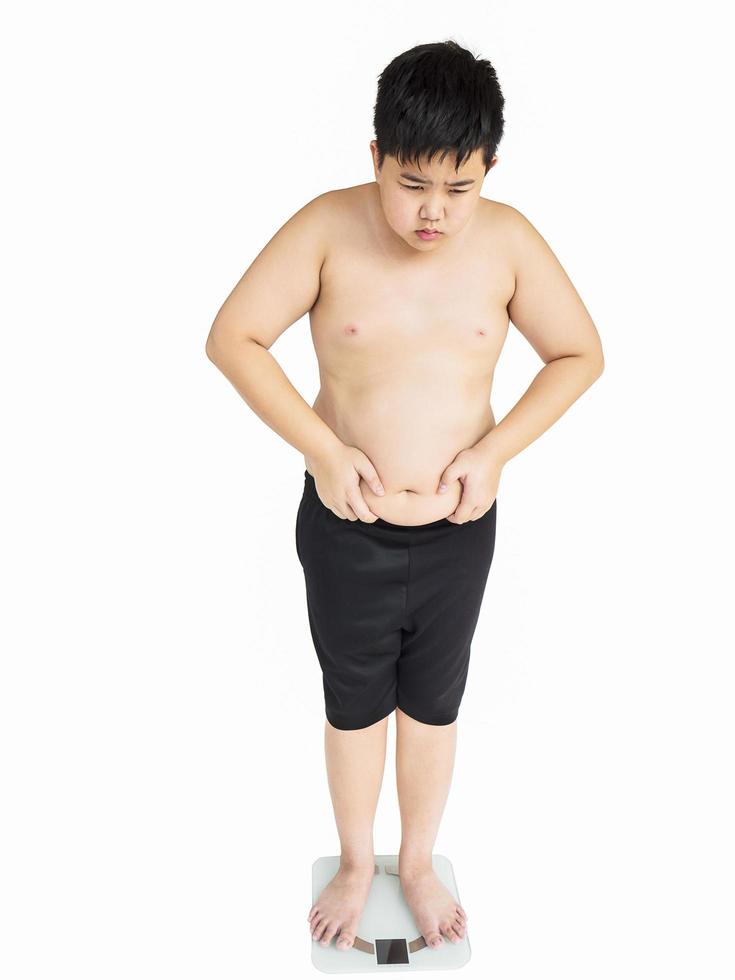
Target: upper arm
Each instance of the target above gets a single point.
(281, 284)
(545, 306)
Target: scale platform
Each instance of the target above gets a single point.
(388, 938)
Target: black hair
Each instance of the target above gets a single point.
(435, 98)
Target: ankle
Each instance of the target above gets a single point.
(414, 862)
(357, 862)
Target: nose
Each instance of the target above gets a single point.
(431, 209)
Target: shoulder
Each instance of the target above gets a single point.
(505, 220)
(342, 216)
(311, 216)
(308, 232)
(344, 206)
(501, 233)
(523, 235)
(522, 242)
(340, 201)
(503, 229)
(325, 216)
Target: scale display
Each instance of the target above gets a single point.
(391, 951)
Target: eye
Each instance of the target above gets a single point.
(418, 187)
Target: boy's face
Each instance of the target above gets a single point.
(435, 196)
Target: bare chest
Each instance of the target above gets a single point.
(373, 318)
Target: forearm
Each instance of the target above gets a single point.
(557, 386)
(259, 379)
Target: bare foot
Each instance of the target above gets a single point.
(340, 906)
(434, 908)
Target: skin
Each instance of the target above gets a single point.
(407, 335)
(352, 331)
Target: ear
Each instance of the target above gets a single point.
(374, 151)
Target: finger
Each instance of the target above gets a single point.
(357, 502)
(370, 475)
(445, 479)
(344, 512)
(462, 513)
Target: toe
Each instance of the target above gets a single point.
(319, 926)
(433, 939)
(450, 934)
(345, 940)
(328, 933)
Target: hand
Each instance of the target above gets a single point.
(337, 477)
(479, 472)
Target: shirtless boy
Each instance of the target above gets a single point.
(395, 530)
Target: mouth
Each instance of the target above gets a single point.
(428, 232)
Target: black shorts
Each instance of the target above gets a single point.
(392, 610)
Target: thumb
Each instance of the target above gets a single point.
(446, 478)
(370, 475)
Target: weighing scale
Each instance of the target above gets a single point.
(388, 938)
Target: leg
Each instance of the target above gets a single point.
(356, 579)
(449, 569)
(424, 765)
(355, 764)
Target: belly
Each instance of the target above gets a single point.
(410, 436)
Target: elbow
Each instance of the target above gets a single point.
(596, 362)
(221, 341)
(592, 363)
(209, 344)
(598, 357)
(215, 343)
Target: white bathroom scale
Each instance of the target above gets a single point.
(388, 938)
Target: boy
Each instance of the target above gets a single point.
(409, 282)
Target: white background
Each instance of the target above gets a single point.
(161, 708)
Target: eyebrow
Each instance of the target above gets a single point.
(423, 180)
